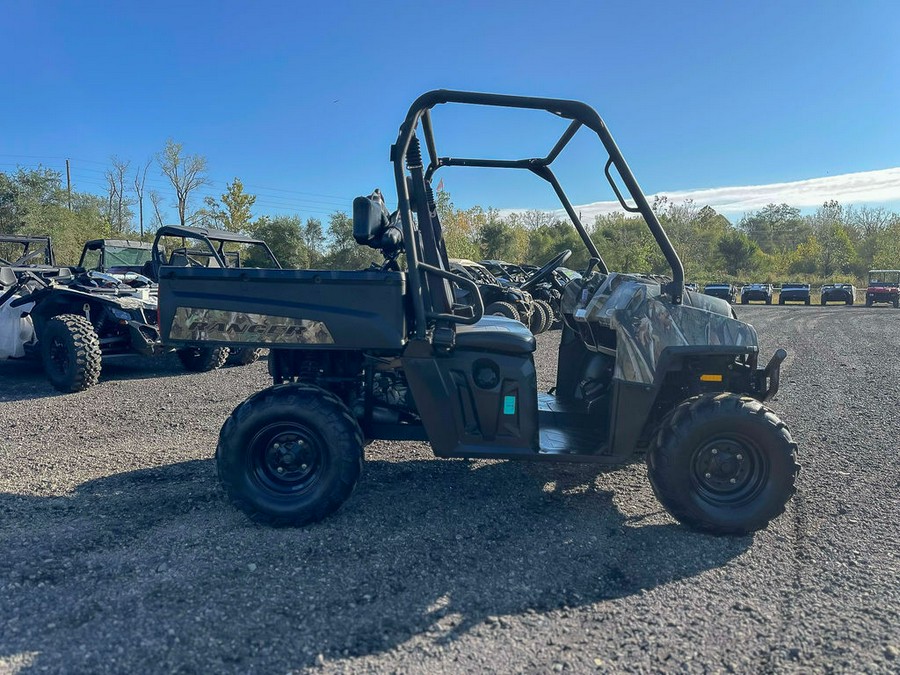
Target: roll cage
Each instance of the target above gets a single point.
(212, 244)
(425, 251)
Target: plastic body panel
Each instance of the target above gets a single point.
(283, 308)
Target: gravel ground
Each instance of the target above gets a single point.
(119, 553)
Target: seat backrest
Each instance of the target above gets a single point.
(178, 259)
(7, 277)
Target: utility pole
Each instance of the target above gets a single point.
(69, 184)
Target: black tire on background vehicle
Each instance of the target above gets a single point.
(548, 313)
(502, 309)
(849, 301)
(780, 300)
(744, 301)
(769, 301)
(290, 455)
(824, 302)
(203, 359)
(723, 463)
(70, 351)
(244, 356)
(868, 302)
(807, 301)
(896, 302)
(537, 319)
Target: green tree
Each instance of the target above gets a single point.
(237, 215)
(282, 234)
(738, 253)
(314, 239)
(343, 251)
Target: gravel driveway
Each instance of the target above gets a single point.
(119, 554)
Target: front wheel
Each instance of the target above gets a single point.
(723, 463)
(70, 352)
(203, 359)
(290, 455)
(548, 314)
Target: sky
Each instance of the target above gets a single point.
(735, 104)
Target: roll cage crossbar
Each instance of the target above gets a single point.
(580, 114)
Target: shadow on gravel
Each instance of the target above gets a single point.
(154, 570)
(25, 380)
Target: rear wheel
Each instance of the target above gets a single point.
(849, 301)
(868, 302)
(768, 301)
(70, 351)
(780, 301)
(896, 302)
(723, 463)
(806, 302)
(290, 455)
(502, 309)
(824, 302)
(203, 359)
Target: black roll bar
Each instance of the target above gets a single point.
(581, 114)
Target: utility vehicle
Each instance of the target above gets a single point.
(725, 291)
(794, 292)
(500, 296)
(643, 367)
(70, 320)
(546, 294)
(845, 293)
(757, 293)
(884, 286)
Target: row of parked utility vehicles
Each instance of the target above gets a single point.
(883, 288)
(407, 351)
(74, 318)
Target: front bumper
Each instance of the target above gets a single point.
(769, 378)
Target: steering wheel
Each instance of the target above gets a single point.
(544, 273)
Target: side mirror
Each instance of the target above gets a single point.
(370, 220)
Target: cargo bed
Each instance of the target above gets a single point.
(280, 308)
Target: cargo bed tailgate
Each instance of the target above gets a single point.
(282, 308)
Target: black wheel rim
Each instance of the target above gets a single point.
(287, 458)
(729, 471)
(59, 356)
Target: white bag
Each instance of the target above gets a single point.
(15, 330)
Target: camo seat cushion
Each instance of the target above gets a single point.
(496, 334)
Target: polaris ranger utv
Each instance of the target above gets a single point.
(643, 367)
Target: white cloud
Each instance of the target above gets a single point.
(874, 187)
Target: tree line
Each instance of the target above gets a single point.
(776, 243)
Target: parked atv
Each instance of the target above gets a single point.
(72, 321)
(126, 260)
(884, 287)
(546, 291)
(643, 367)
(845, 293)
(725, 291)
(794, 292)
(500, 297)
(757, 293)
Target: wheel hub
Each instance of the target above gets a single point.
(727, 470)
(287, 460)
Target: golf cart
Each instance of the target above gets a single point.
(644, 368)
(725, 291)
(794, 292)
(884, 286)
(845, 293)
(204, 247)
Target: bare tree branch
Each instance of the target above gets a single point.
(185, 172)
